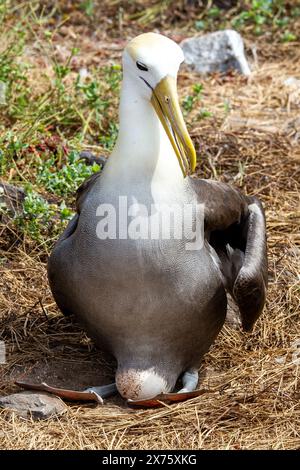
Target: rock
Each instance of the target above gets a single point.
(90, 158)
(32, 404)
(216, 52)
(11, 198)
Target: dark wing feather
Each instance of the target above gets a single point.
(81, 195)
(235, 227)
(249, 289)
(84, 189)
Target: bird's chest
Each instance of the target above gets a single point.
(141, 234)
(143, 223)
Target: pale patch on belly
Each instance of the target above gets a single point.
(140, 384)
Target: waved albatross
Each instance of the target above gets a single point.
(154, 298)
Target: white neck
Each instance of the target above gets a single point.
(143, 153)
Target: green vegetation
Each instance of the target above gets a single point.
(65, 180)
(50, 110)
(288, 36)
(261, 13)
(47, 116)
(40, 220)
(88, 7)
(255, 15)
(190, 101)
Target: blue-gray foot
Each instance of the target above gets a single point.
(103, 391)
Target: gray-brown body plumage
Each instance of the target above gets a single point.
(152, 303)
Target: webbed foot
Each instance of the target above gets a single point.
(90, 394)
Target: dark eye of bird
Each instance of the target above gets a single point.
(142, 66)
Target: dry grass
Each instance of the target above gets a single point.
(254, 403)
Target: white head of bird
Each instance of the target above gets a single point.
(153, 137)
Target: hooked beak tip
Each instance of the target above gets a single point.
(165, 102)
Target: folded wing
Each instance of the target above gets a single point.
(236, 230)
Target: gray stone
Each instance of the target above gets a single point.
(216, 52)
(32, 404)
(11, 198)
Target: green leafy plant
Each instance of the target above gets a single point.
(200, 25)
(260, 13)
(39, 219)
(214, 12)
(36, 217)
(65, 180)
(190, 101)
(204, 113)
(108, 140)
(288, 36)
(88, 7)
(3, 163)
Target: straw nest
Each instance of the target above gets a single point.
(253, 403)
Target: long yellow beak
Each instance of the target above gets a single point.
(165, 102)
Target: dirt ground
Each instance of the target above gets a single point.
(253, 379)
